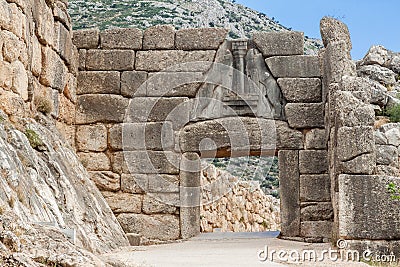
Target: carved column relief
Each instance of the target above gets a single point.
(244, 87)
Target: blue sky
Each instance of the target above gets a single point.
(370, 22)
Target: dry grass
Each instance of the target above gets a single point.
(380, 122)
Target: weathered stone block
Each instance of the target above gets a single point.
(354, 141)
(61, 14)
(363, 164)
(373, 214)
(163, 183)
(294, 66)
(134, 239)
(305, 115)
(130, 38)
(82, 59)
(159, 37)
(110, 59)
(100, 108)
(301, 90)
(98, 82)
(133, 83)
(36, 62)
(87, 38)
(290, 194)
(63, 42)
(387, 155)
(54, 72)
(153, 204)
(150, 162)
(387, 170)
(333, 30)
(142, 136)
(95, 161)
(316, 229)
(106, 180)
(313, 161)
(315, 188)
(317, 211)
(279, 43)
(19, 79)
(192, 39)
(123, 202)
(184, 84)
(91, 138)
(150, 109)
(44, 22)
(316, 139)
(338, 63)
(174, 60)
(134, 183)
(153, 227)
(288, 138)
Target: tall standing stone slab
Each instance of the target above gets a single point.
(279, 43)
(290, 195)
(190, 195)
(373, 214)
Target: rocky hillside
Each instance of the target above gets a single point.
(240, 20)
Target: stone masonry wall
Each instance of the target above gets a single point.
(118, 81)
(246, 208)
(357, 152)
(38, 62)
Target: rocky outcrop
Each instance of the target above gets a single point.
(234, 205)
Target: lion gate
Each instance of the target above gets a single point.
(151, 104)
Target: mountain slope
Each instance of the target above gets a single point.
(241, 21)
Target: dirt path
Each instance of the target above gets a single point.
(225, 249)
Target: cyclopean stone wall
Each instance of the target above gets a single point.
(361, 160)
(177, 109)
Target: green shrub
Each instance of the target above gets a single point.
(393, 113)
(34, 138)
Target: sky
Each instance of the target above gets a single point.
(371, 22)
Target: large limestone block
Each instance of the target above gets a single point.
(363, 164)
(163, 183)
(159, 37)
(87, 38)
(354, 141)
(315, 188)
(317, 211)
(200, 39)
(378, 73)
(142, 162)
(91, 138)
(110, 60)
(316, 139)
(174, 60)
(316, 229)
(44, 21)
(313, 161)
(106, 180)
(279, 43)
(288, 138)
(294, 66)
(134, 183)
(373, 214)
(184, 84)
(133, 83)
(63, 42)
(143, 136)
(98, 82)
(229, 135)
(100, 108)
(301, 90)
(154, 204)
(153, 227)
(19, 80)
(301, 115)
(130, 38)
(152, 109)
(95, 161)
(377, 54)
(123, 202)
(54, 71)
(333, 30)
(387, 155)
(290, 192)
